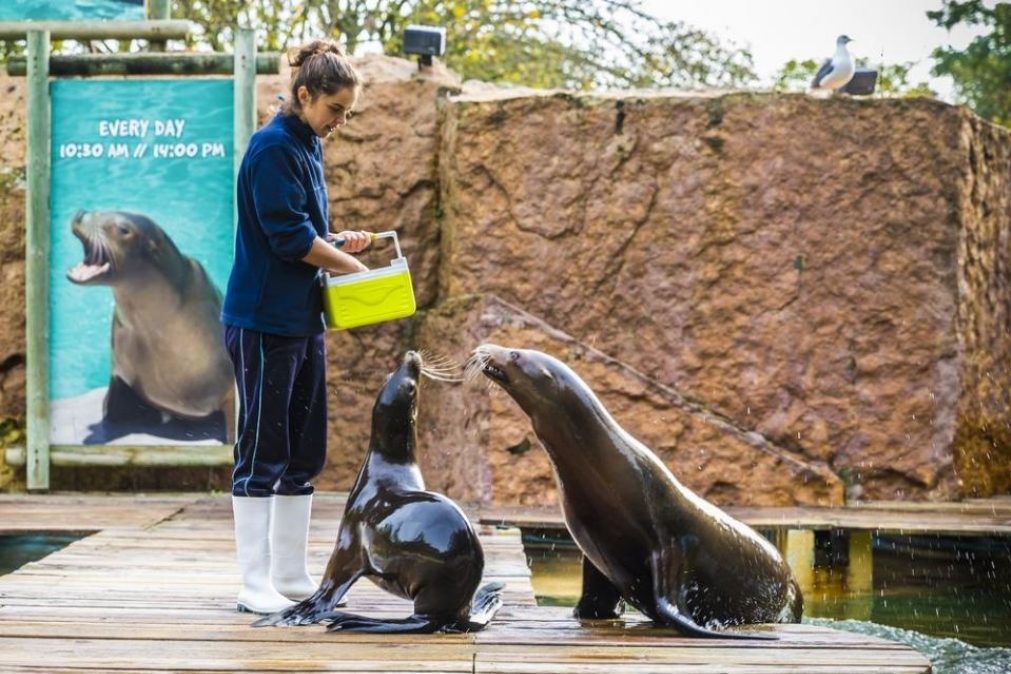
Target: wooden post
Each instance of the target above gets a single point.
(860, 575)
(800, 556)
(244, 95)
(159, 10)
(37, 261)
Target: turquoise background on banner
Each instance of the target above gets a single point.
(70, 10)
(190, 198)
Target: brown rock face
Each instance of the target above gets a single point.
(476, 444)
(12, 247)
(983, 437)
(381, 175)
(790, 292)
(792, 262)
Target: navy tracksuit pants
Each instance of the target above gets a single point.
(281, 441)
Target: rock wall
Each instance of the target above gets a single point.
(983, 434)
(382, 173)
(12, 247)
(793, 262)
(475, 442)
(786, 297)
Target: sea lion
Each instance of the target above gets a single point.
(168, 352)
(645, 538)
(413, 543)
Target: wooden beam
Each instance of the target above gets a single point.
(99, 30)
(171, 63)
(130, 455)
(37, 261)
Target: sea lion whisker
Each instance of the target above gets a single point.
(441, 370)
(430, 356)
(437, 370)
(477, 362)
(442, 365)
(448, 380)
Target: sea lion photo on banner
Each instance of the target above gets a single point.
(415, 544)
(171, 375)
(646, 539)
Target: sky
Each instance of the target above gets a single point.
(775, 31)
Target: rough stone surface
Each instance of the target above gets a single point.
(381, 167)
(381, 175)
(477, 445)
(983, 439)
(793, 262)
(830, 274)
(12, 247)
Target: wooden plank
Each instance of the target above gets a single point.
(112, 600)
(37, 261)
(99, 30)
(167, 63)
(976, 518)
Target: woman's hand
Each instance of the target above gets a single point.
(354, 241)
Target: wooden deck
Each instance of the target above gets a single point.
(153, 590)
(978, 517)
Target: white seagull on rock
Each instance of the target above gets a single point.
(836, 72)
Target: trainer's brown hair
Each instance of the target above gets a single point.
(322, 67)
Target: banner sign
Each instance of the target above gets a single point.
(71, 10)
(141, 248)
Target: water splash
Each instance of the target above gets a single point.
(946, 655)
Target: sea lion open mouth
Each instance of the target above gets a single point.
(495, 373)
(97, 262)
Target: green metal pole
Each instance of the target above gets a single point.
(244, 92)
(159, 10)
(37, 261)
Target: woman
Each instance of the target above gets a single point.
(274, 328)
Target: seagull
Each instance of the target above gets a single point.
(836, 72)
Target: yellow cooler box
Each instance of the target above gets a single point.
(374, 296)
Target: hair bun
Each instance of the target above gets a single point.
(299, 55)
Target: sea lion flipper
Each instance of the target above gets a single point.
(487, 601)
(320, 606)
(124, 406)
(670, 615)
(349, 622)
(600, 599)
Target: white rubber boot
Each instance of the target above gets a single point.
(289, 534)
(252, 547)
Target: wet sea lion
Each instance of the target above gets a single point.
(645, 538)
(413, 543)
(168, 353)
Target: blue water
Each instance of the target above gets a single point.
(947, 597)
(190, 198)
(18, 550)
(71, 10)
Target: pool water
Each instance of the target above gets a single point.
(16, 551)
(947, 597)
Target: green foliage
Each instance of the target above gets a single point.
(982, 71)
(543, 43)
(893, 80)
(795, 75)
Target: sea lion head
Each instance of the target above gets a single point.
(541, 384)
(116, 244)
(396, 408)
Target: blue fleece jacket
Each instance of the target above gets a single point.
(282, 208)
